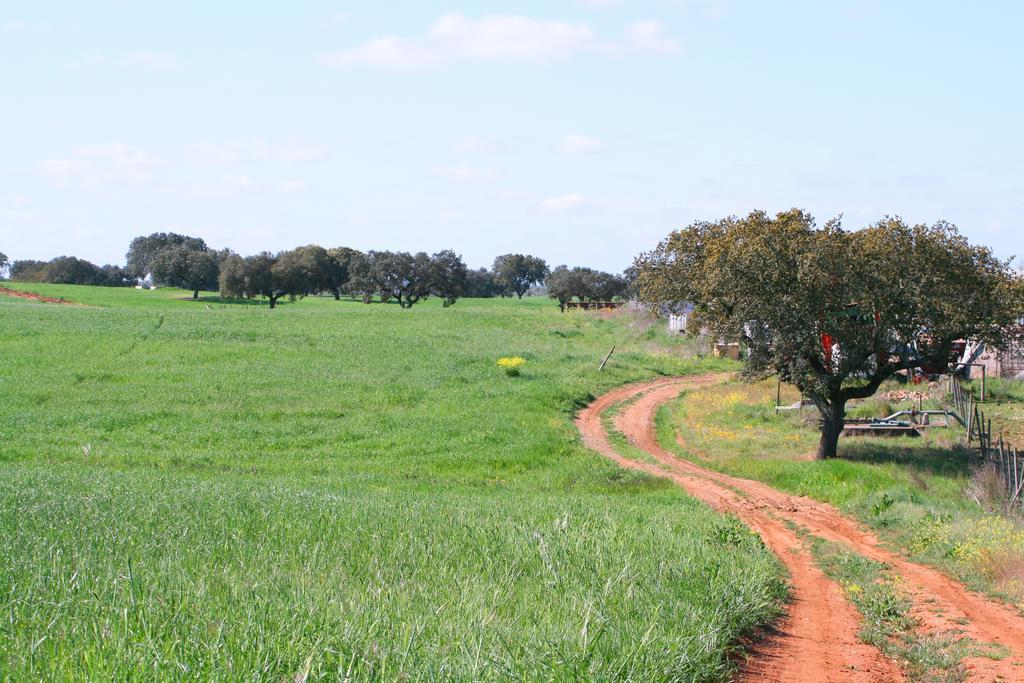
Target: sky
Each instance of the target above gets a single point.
(581, 131)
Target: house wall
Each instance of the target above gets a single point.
(990, 359)
(1006, 363)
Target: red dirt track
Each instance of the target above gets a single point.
(32, 295)
(817, 639)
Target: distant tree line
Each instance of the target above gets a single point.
(388, 276)
(586, 284)
(186, 262)
(68, 270)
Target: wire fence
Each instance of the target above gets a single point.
(1003, 457)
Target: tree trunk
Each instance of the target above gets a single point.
(337, 295)
(273, 301)
(195, 294)
(834, 419)
(520, 294)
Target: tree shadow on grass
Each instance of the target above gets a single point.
(949, 461)
(214, 300)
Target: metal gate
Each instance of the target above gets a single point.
(1011, 360)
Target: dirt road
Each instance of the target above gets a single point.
(817, 640)
(32, 295)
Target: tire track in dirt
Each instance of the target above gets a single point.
(817, 640)
(32, 296)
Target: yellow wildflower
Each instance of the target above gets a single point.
(511, 365)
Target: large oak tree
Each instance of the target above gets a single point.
(186, 268)
(339, 267)
(518, 272)
(144, 249)
(835, 312)
(447, 276)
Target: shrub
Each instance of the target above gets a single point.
(511, 365)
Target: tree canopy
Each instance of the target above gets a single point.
(407, 278)
(585, 284)
(518, 272)
(68, 270)
(835, 312)
(480, 284)
(144, 249)
(399, 276)
(233, 280)
(339, 268)
(186, 268)
(402, 276)
(447, 276)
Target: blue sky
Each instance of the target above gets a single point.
(582, 131)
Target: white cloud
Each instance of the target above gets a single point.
(390, 52)
(649, 36)
(229, 154)
(64, 168)
(14, 215)
(126, 162)
(14, 210)
(449, 216)
(298, 153)
(477, 144)
(98, 164)
(157, 61)
(291, 186)
(455, 37)
(245, 152)
(241, 182)
(509, 38)
(599, 4)
(466, 172)
(566, 202)
(105, 150)
(237, 184)
(579, 144)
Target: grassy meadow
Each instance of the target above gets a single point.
(206, 490)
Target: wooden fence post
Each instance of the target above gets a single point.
(970, 424)
(979, 421)
(1016, 473)
(1016, 493)
(1003, 458)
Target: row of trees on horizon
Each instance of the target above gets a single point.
(174, 260)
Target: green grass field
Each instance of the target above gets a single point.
(331, 490)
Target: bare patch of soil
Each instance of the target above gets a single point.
(33, 296)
